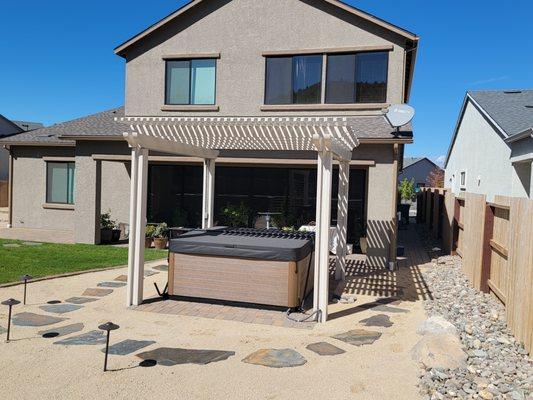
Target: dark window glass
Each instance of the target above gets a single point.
(357, 78)
(60, 182)
(190, 82)
(340, 82)
(293, 80)
(278, 80)
(307, 79)
(371, 77)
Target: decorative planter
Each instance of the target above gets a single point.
(106, 235)
(363, 244)
(160, 243)
(115, 237)
(148, 242)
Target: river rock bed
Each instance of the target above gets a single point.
(497, 366)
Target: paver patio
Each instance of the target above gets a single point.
(34, 367)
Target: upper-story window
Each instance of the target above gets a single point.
(357, 78)
(293, 80)
(190, 82)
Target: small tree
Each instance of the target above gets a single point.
(436, 178)
(407, 189)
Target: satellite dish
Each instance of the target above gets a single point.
(400, 114)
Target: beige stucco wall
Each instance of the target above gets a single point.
(29, 189)
(116, 190)
(241, 30)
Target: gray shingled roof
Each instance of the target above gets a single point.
(28, 126)
(103, 124)
(100, 124)
(408, 161)
(512, 110)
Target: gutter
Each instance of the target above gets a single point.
(519, 136)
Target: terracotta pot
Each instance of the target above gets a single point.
(160, 243)
(148, 242)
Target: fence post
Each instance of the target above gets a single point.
(487, 250)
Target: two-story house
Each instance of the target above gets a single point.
(241, 59)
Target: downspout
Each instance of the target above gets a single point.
(394, 228)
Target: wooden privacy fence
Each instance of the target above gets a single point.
(3, 193)
(495, 242)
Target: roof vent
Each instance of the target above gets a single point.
(529, 106)
(46, 135)
(512, 91)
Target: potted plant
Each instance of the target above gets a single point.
(106, 227)
(149, 236)
(236, 216)
(160, 236)
(115, 234)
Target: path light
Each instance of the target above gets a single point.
(108, 327)
(25, 279)
(10, 303)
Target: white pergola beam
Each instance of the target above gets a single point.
(167, 146)
(140, 226)
(208, 199)
(325, 161)
(132, 225)
(342, 219)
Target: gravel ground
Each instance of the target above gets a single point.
(498, 367)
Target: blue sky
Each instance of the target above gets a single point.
(58, 62)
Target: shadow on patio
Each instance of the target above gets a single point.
(404, 284)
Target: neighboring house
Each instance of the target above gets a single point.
(8, 128)
(418, 170)
(233, 58)
(492, 147)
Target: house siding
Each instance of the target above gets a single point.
(481, 151)
(241, 30)
(419, 172)
(29, 190)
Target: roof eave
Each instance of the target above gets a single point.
(37, 143)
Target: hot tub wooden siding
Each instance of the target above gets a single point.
(276, 283)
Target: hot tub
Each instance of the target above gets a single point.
(267, 267)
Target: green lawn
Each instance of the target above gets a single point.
(52, 259)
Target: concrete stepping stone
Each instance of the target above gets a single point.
(276, 358)
(89, 338)
(388, 309)
(173, 356)
(161, 267)
(324, 349)
(80, 300)
(2, 330)
(121, 278)
(111, 284)
(378, 320)
(31, 319)
(60, 308)
(97, 292)
(11, 245)
(32, 243)
(128, 346)
(358, 337)
(150, 273)
(62, 330)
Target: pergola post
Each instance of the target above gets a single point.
(208, 199)
(140, 226)
(342, 219)
(132, 225)
(324, 178)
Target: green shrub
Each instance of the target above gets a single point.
(236, 216)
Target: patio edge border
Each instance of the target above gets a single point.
(75, 273)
